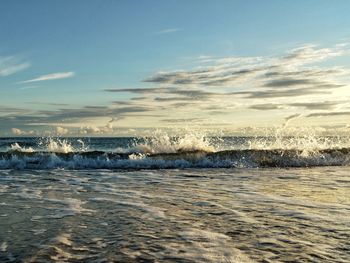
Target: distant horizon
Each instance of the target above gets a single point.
(220, 133)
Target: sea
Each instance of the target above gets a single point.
(163, 198)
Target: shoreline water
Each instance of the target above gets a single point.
(190, 215)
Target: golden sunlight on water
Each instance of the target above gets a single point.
(191, 215)
(306, 187)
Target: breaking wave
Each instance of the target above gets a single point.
(184, 159)
(15, 147)
(162, 151)
(161, 142)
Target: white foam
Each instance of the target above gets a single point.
(304, 139)
(63, 239)
(59, 146)
(3, 246)
(16, 147)
(161, 142)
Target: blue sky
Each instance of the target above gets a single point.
(62, 58)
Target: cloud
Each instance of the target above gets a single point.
(71, 117)
(138, 90)
(311, 53)
(264, 107)
(285, 93)
(327, 114)
(19, 132)
(16, 131)
(216, 84)
(29, 87)
(288, 119)
(13, 110)
(171, 99)
(89, 130)
(48, 103)
(11, 65)
(297, 69)
(213, 76)
(188, 120)
(58, 75)
(61, 131)
(187, 94)
(323, 105)
(232, 90)
(317, 105)
(183, 104)
(106, 129)
(310, 72)
(167, 31)
(291, 82)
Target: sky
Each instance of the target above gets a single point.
(122, 67)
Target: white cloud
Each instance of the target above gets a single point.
(107, 129)
(20, 132)
(58, 75)
(16, 131)
(11, 65)
(311, 53)
(61, 131)
(167, 31)
(89, 130)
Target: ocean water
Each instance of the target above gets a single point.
(183, 199)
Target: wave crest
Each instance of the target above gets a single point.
(192, 150)
(15, 147)
(189, 159)
(161, 142)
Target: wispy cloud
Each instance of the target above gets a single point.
(167, 31)
(11, 65)
(296, 69)
(288, 119)
(285, 93)
(29, 87)
(326, 114)
(317, 105)
(292, 82)
(58, 75)
(294, 87)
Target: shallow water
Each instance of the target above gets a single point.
(190, 215)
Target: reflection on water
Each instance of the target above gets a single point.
(212, 215)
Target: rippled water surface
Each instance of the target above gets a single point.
(191, 215)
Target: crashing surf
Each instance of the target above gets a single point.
(162, 151)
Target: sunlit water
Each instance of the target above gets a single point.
(194, 215)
